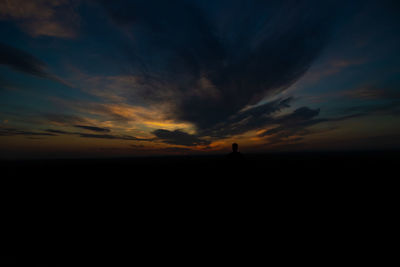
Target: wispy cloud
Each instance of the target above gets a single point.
(54, 132)
(295, 126)
(331, 67)
(372, 92)
(248, 119)
(64, 119)
(93, 128)
(110, 136)
(15, 132)
(55, 18)
(119, 115)
(22, 61)
(178, 137)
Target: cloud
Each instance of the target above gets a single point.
(55, 18)
(295, 126)
(249, 119)
(64, 119)
(332, 67)
(292, 124)
(57, 131)
(93, 128)
(109, 136)
(122, 115)
(210, 63)
(115, 88)
(179, 137)
(98, 136)
(299, 116)
(53, 132)
(15, 132)
(371, 92)
(22, 61)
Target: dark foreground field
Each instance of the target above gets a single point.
(254, 167)
(199, 207)
(293, 174)
(289, 173)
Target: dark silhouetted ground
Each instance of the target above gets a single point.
(116, 210)
(256, 167)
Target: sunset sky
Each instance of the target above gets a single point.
(155, 77)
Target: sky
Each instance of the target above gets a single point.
(101, 78)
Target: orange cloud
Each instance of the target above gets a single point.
(42, 17)
(126, 118)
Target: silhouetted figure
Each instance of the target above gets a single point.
(235, 154)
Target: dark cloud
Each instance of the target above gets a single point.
(211, 59)
(110, 136)
(93, 128)
(99, 136)
(64, 119)
(14, 132)
(179, 137)
(106, 136)
(250, 119)
(297, 124)
(57, 131)
(300, 116)
(22, 61)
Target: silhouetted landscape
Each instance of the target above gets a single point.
(261, 167)
(106, 201)
(238, 122)
(297, 195)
